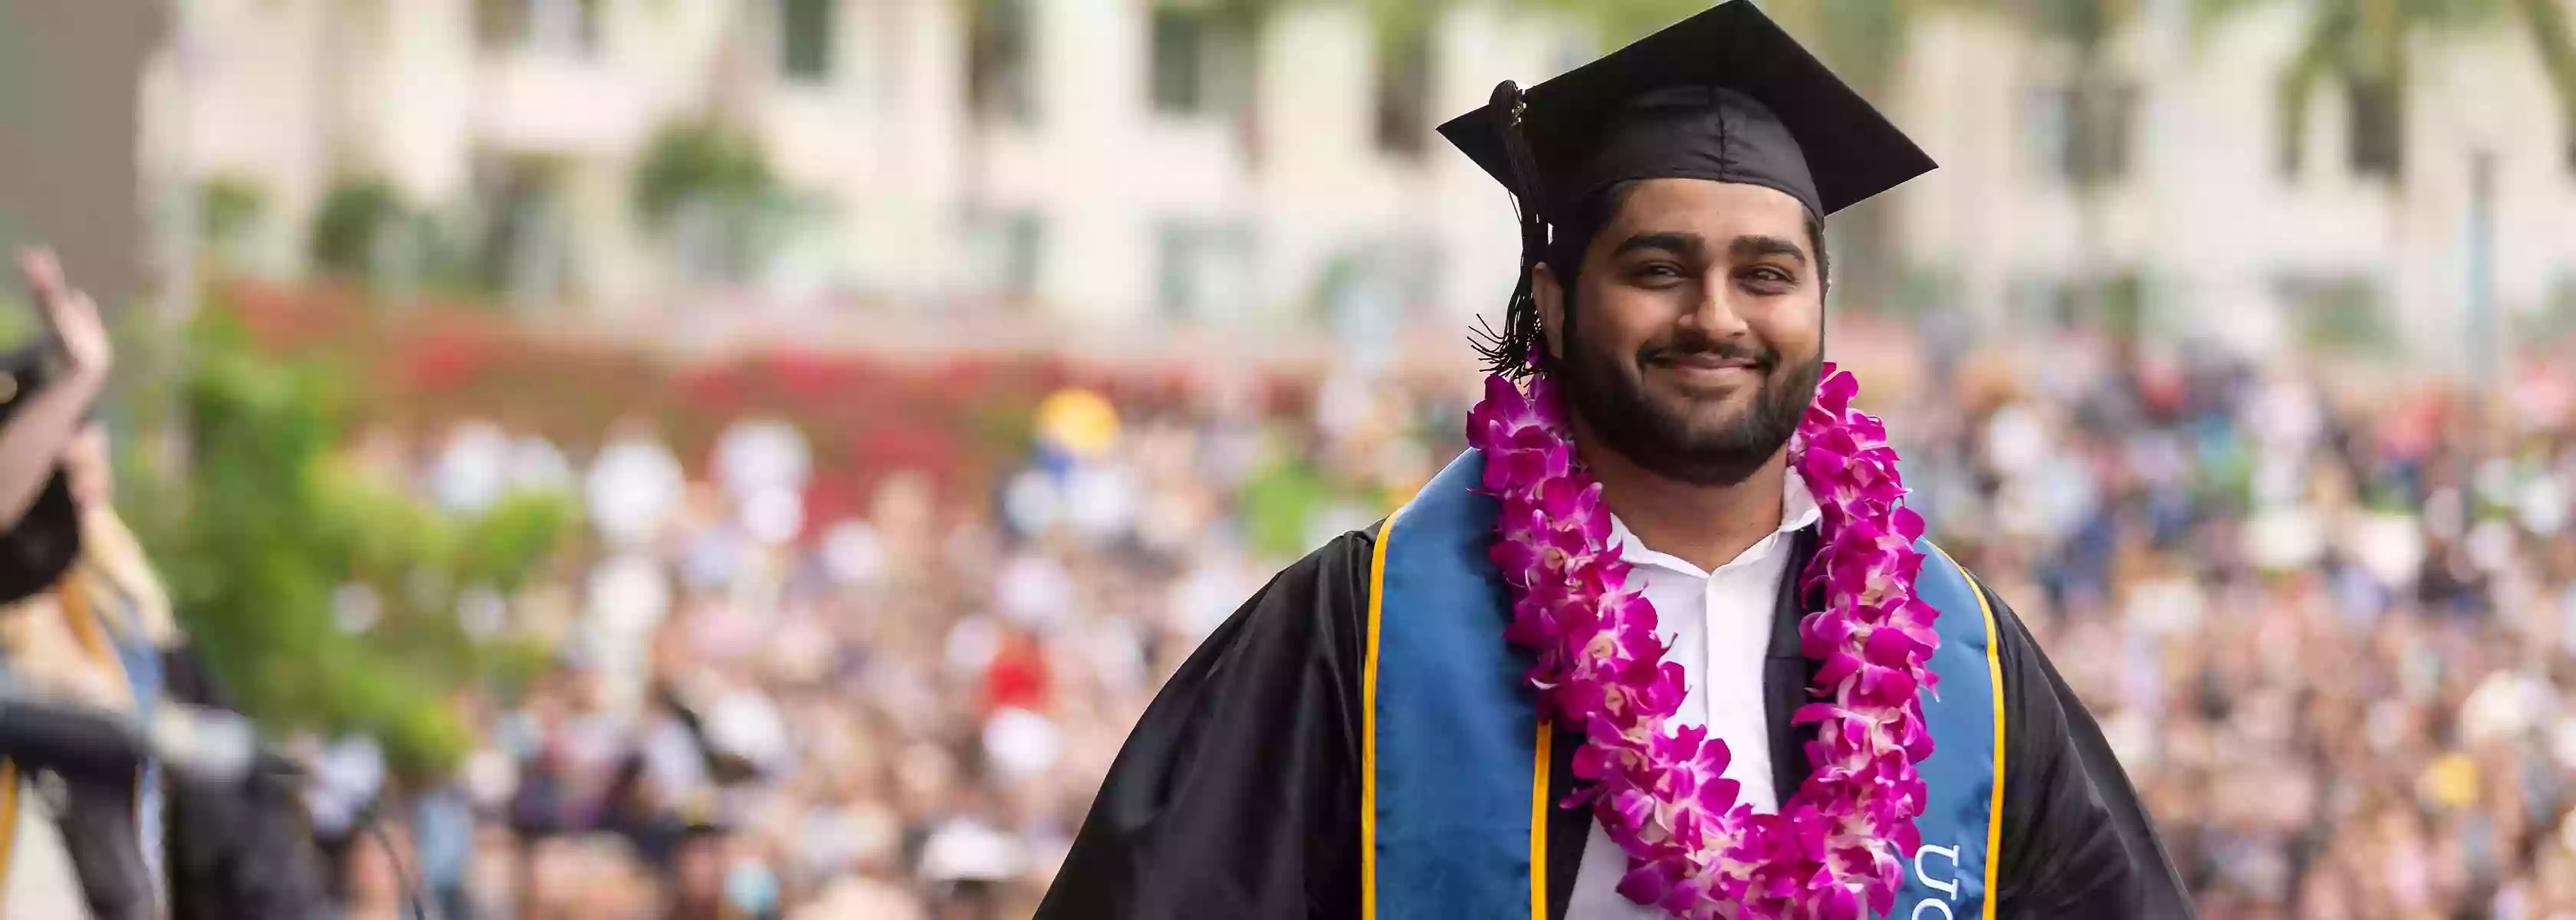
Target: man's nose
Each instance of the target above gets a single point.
(1716, 315)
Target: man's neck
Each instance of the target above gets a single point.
(1706, 526)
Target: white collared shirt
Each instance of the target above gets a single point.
(1718, 626)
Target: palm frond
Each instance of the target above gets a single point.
(2546, 22)
(1402, 23)
(1863, 40)
(2085, 25)
(2208, 15)
(1619, 21)
(2450, 14)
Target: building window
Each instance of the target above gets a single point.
(2376, 132)
(805, 39)
(1000, 52)
(1180, 56)
(526, 248)
(1206, 270)
(1008, 251)
(1199, 64)
(566, 27)
(1404, 93)
(2083, 130)
(1384, 284)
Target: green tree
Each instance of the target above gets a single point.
(699, 160)
(229, 209)
(355, 227)
(268, 535)
(367, 232)
(707, 187)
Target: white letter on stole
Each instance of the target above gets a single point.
(1949, 887)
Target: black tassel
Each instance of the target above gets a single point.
(1515, 350)
(1509, 108)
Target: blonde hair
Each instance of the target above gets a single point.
(113, 559)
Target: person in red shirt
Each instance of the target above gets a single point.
(1017, 678)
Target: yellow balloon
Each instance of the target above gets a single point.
(1078, 420)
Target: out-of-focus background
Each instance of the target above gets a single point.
(584, 427)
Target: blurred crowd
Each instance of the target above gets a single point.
(2329, 626)
(2326, 623)
(899, 715)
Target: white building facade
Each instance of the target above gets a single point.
(1123, 164)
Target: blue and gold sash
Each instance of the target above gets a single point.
(1454, 799)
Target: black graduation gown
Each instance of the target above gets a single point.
(1238, 793)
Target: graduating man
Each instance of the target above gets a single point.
(1665, 642)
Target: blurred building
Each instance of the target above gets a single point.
(69, 158)
(2173, 182)
(1095, 157)
(1124, 163)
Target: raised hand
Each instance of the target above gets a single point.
(69, 314)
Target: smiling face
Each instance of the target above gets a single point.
(1696, 330)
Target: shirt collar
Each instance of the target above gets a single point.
(1798, 511)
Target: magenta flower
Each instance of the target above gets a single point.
(1650, 882)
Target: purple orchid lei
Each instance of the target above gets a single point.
(1693, 850)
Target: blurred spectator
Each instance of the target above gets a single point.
(375, 881)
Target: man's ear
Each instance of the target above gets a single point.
(1550, 297)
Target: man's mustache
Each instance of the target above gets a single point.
(1762, 359)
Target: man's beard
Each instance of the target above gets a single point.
(1609, 396)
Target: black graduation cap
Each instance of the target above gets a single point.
(1724, 95)
(40, 547)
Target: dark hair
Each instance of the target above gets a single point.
(1513, 349)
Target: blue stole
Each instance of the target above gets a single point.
(1454, 799)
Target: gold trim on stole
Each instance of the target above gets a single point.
(1368, 725)
(1538, 822)
(1995, 682)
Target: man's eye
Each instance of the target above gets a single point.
(1658, 271)
(1768, 275)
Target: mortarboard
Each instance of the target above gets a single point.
(42, 545)
(1724, 95)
